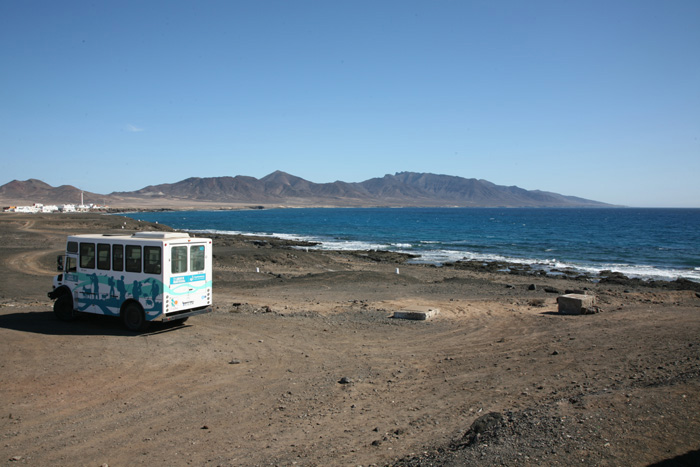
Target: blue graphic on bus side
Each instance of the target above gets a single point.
(107, 293)
(148, 292)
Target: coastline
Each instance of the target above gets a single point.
(258, 381)
(382, 230)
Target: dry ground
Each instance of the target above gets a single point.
(258, 381)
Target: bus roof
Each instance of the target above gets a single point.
(161, 235)
(138, 235)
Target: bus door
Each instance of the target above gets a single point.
(86, 292)
(70, 269)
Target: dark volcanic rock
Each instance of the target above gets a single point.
(484, 425)
(617, 278)
(491, 266)
(383, 256)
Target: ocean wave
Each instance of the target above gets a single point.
(645, 272)
(348, 245)
(281, 236)
(642, 271)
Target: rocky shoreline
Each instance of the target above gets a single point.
(493, 267)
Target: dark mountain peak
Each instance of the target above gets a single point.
(27, 186)
(282, 178)
(276, 176)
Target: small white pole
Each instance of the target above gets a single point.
(257, 270)
(397, 270)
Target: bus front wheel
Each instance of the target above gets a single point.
(134, 318)
(63, 308)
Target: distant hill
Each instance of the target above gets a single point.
(450, 190)
(280, 188)
(35, 191)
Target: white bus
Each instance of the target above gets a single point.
(144, 277)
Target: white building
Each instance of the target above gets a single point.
(26, 209)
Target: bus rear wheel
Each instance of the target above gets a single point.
(63, 308)
(134, 318)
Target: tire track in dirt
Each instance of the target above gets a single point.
(29, 262)
(27, 227)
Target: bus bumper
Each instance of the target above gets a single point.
(187, 313)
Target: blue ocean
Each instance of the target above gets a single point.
(646, 243)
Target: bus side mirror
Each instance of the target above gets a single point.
(59, 263)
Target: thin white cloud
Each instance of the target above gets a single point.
(133, 128)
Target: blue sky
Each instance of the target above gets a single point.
(597, 99)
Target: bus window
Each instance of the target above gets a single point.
(197, 258)
(117, 257)
(151, 263)
(87, 255)
(72, 247)
(179, 259)
(102, 256)
(133, 258)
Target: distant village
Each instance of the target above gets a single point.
(43, 208)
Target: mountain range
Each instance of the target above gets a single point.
(282, 189)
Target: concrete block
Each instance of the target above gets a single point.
(417, 312)
(575, 304)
